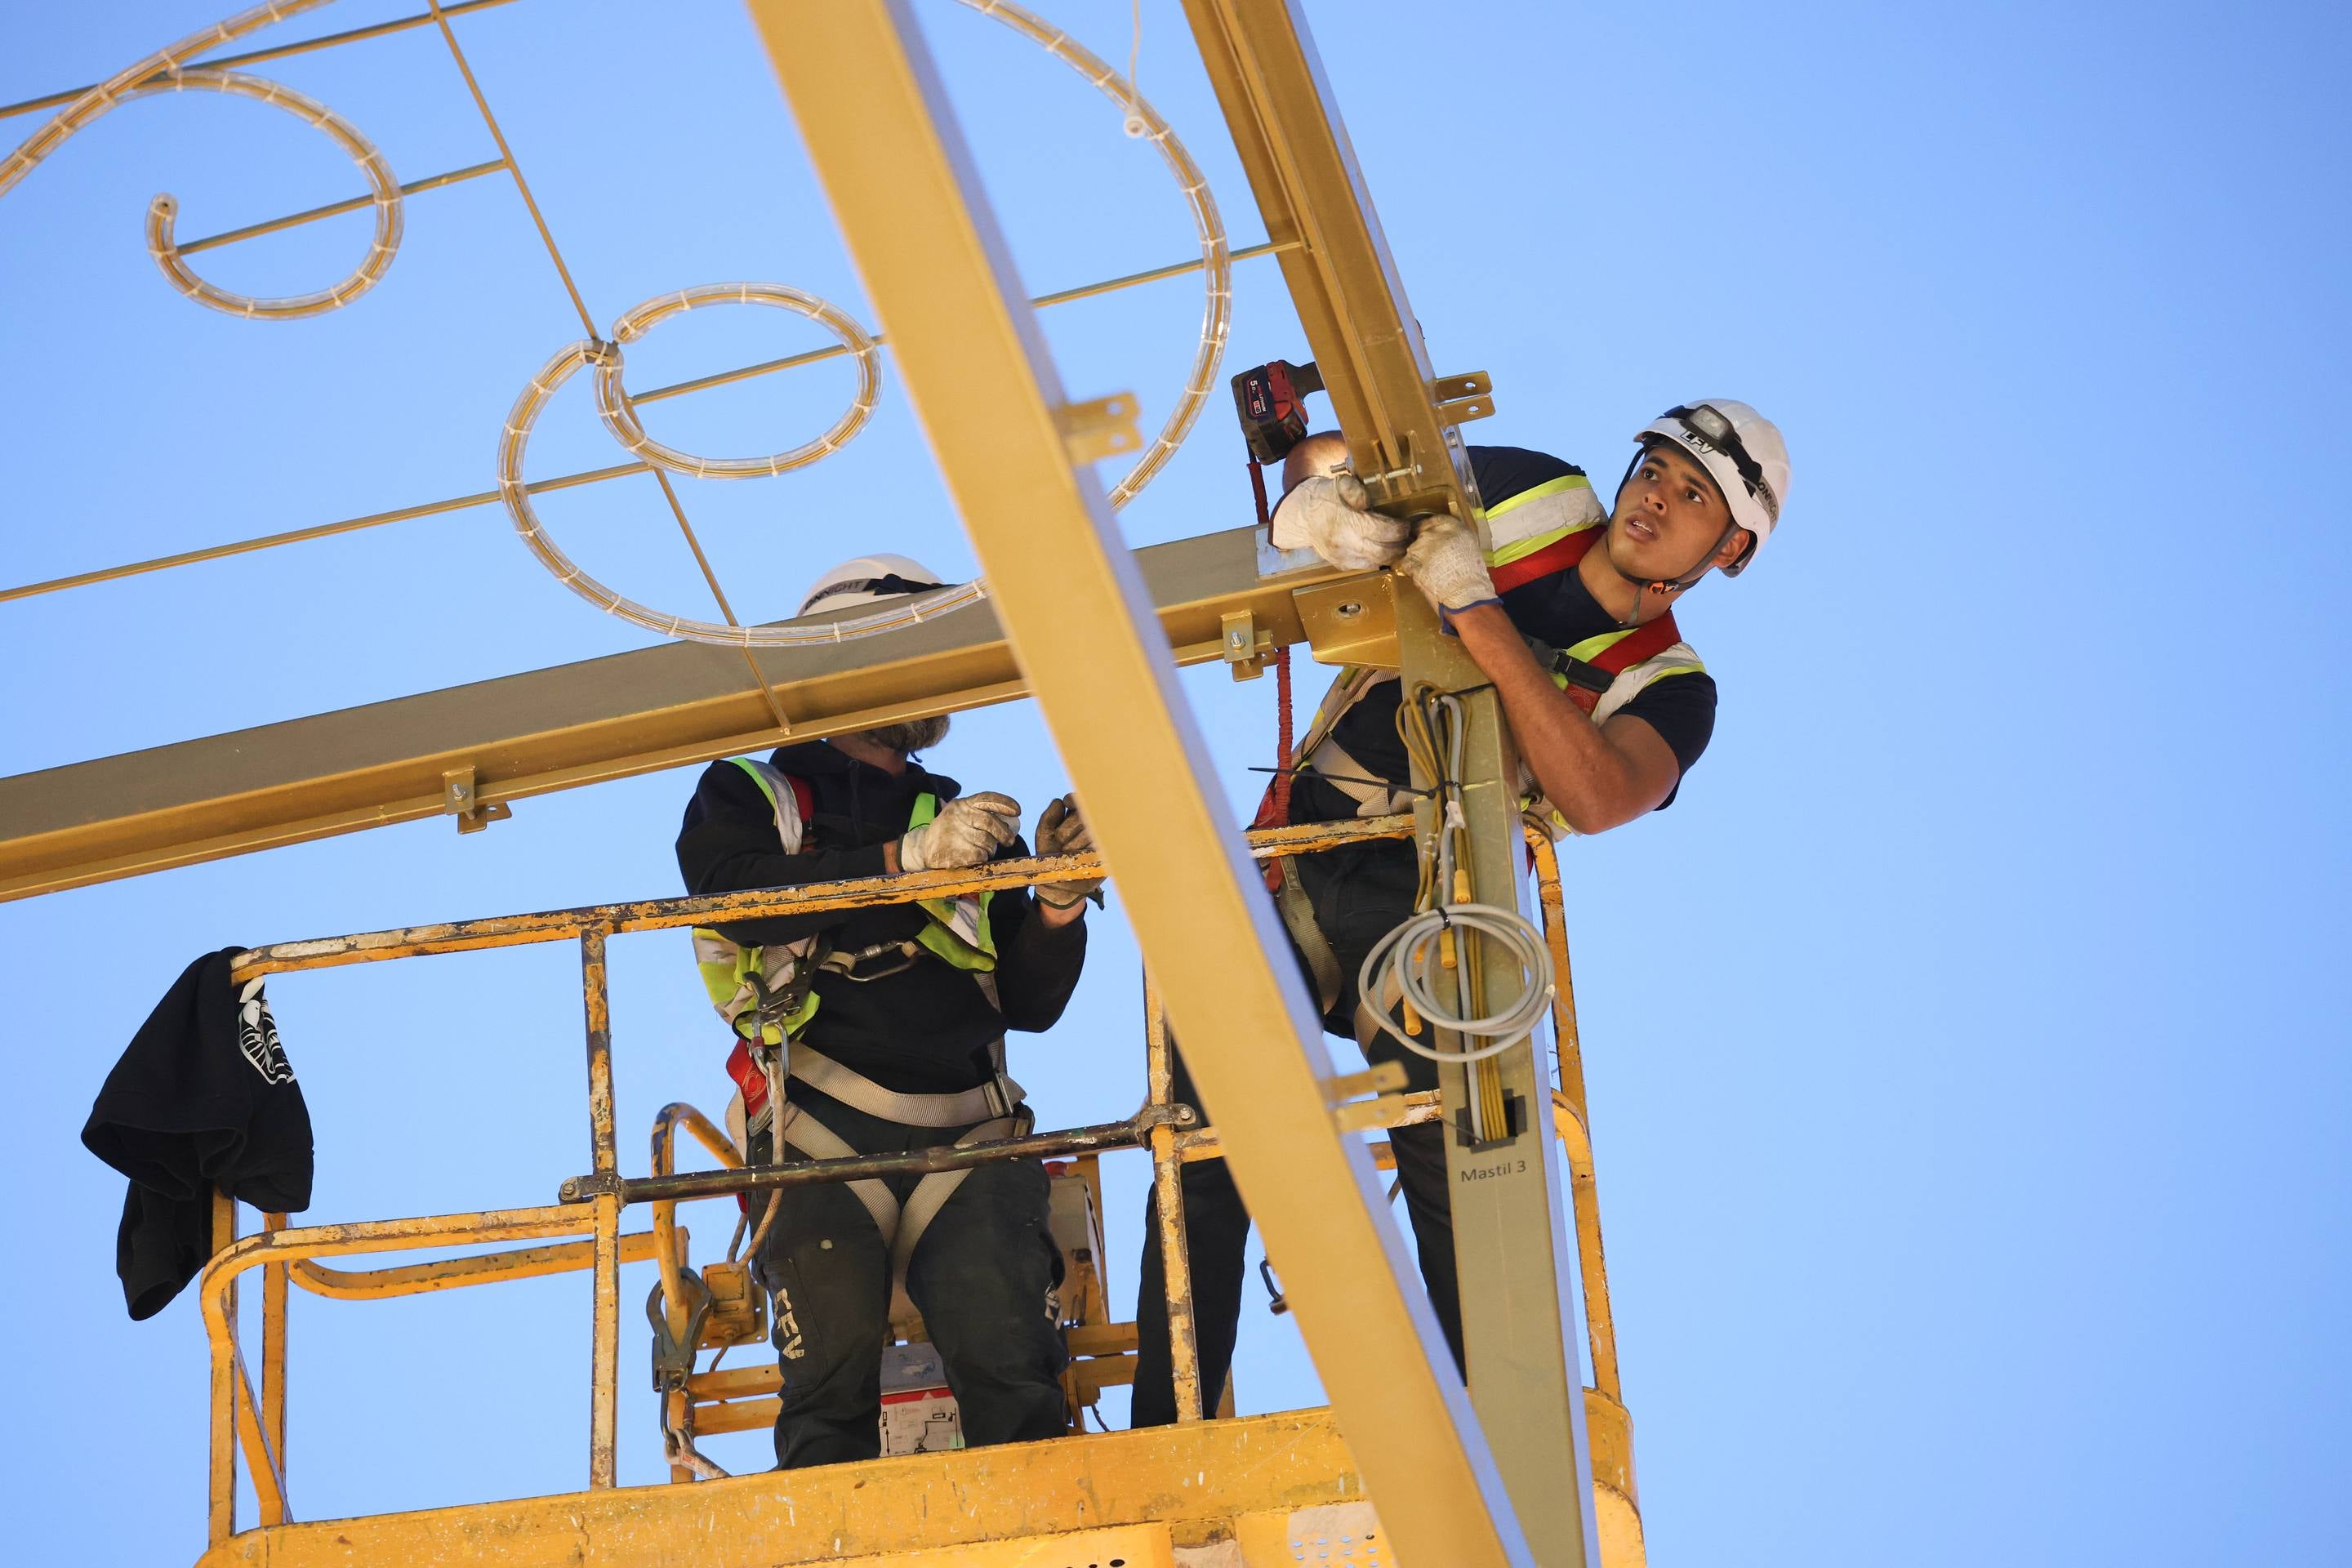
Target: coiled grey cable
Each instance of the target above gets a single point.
(1413, 954)
(1410, 954)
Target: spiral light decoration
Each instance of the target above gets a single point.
(611, 403)
(139, 80)
(1216, 263)
(613, 407)
(621, 419)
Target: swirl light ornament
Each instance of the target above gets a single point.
(611, 403)
(1216, 263)
(165, 71)
(614, 406)
(621, 419)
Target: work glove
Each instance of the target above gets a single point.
(1448, 564)
(1333, 517)
(1062, 831)
(968, 831)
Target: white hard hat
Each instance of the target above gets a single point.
(866, 579)
(1742, 451)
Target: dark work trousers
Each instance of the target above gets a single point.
(986, 1276)
(1360, 892)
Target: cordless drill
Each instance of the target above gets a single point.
(1272, 401)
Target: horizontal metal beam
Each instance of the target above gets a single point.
(608, 718)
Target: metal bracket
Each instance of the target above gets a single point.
(1246, 647)
(585, 1189)
(1175, 1114)
(739, 1306)
(1352, 621)
(459, 797)
(1382, 1077)
(1462, 398)
(1102, 429)
(1383, 1082)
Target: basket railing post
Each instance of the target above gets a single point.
(605, 1356)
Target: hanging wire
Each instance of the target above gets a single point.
(1135, 126)
(1426, 962)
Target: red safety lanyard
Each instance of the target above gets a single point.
(1646, 641)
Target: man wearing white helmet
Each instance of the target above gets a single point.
(1571, 618)
(882, 1030)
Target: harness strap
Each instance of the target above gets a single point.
(1297, 913)
(996, 1098)
(1589, 679)
(901, 1225)
(1337, 766)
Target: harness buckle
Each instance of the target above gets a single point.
(674, 1356)
(846, 964)
(1576, 672)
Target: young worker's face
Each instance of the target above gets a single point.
(1667, 516)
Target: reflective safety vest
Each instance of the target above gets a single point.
(769, 994)
(1539, 532)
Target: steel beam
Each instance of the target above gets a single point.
(1399, 420)
(1510, 1232)
(582, 723)
(884, 142)
(1367, 345)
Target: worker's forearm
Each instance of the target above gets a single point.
(1056, 916)
(1591, 783)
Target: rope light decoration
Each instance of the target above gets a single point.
(167, 70)
(620, 418)
(138, 80)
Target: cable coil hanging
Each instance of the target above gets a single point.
(1423, 962)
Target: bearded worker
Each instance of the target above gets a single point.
(1571, 618)
(881, 1030)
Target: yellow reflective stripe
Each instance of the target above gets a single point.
(941, 936)
(1535, 492)
(1591, 649)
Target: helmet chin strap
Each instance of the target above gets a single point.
(1665, 587)
(1668, 587)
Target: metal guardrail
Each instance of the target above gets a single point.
(581, 1231)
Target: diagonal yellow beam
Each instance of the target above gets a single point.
(885, 144)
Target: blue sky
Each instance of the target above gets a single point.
(1965, 1059)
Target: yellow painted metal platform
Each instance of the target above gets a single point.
(1213, 1492)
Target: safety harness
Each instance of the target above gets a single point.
(767, 995)
(1538, 533)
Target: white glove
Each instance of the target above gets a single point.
(1333, 518)
(1062, 831)
(1447, 566)
(968, 831)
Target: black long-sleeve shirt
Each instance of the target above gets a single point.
(927, 1029)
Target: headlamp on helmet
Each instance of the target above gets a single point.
(1741, 451)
